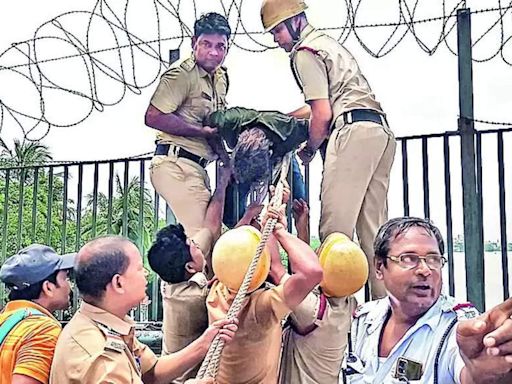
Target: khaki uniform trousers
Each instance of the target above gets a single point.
(185, 186)
(355, 184)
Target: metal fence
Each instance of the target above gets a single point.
(65, 205)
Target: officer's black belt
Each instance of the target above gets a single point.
(355, 115)
(163, 149)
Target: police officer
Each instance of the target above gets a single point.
(347, 124)
(409, 336)
(98, 345)
(187, 93)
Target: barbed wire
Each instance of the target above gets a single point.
(102, 47)
(490, 122)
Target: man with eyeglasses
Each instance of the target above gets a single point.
(415, 334)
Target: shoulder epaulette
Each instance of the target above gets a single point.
(465, 311)
(188, 65)
(223, 71)
(113, 340)
(309, 49)
(363, 309)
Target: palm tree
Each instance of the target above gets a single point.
(25, 153)
(126, 209)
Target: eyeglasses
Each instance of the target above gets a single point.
(411, 260)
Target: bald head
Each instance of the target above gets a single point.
(99, 261)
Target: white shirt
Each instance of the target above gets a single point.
(434, 330)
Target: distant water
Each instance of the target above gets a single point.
(493, 281)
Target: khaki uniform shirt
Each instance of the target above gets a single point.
(330, 73)
(252, 357)
(184, 304)
(317, 356)
(185, 317)
(98, 347)
(191, 93)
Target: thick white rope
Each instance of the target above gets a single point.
(210, 365)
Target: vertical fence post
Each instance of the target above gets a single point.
(473, 239)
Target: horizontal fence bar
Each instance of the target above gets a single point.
(118, 203)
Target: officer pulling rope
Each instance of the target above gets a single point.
(210, 365)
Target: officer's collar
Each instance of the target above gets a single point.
(201, 71)
(431, 317)
(204, 73)
(377, 317)
(308, 29)
(199, 278)
(121, 326)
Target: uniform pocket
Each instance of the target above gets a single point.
(201, 105)
(160, 160)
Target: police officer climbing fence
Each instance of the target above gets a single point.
(347, 125)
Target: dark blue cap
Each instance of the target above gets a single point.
(33, 264)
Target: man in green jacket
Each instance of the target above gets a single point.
(259, 140)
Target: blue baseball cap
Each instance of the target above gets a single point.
(33, 264)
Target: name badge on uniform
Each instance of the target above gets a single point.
(115, 343)
(206, 96)
(407, 369)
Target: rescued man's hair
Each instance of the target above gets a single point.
(399, 225)
(251, 157)
(212, 23)
(170, 253)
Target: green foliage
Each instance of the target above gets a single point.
(33, 208)
(40, 209)
(130, 214)
(315, 243)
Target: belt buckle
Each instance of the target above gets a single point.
(348, 117)
(174, 150)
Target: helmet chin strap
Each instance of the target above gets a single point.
(294, 33)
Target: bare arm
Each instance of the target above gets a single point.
(215, 210)
(251, 214)
(300, 211)
(306, 270)
(277, 270)
(218, 147)
(320, 122)
(171, 366)
(303, 112)
(174, 125)
(22, 379)
(321, 116)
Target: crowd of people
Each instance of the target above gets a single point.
(299, 323)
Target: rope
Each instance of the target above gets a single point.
(210, 365)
